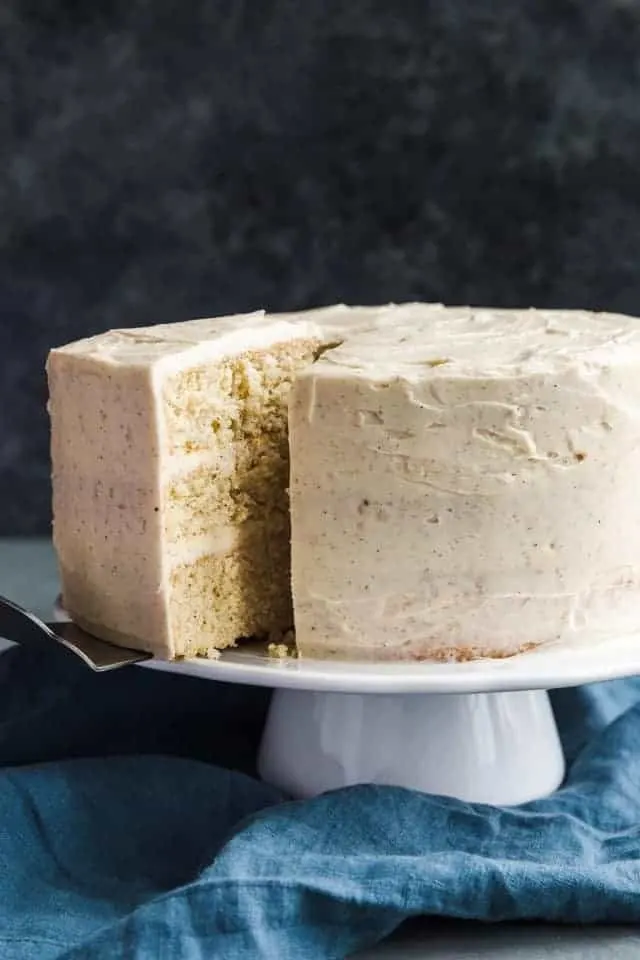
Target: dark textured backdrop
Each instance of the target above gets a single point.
(164, 160)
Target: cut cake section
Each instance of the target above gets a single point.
(170, 475)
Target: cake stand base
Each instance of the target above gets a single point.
(498, 748)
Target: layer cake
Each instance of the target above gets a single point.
(462, 481)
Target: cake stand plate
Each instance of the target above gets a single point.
(481, 731)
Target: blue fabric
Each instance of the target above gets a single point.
(131, 827)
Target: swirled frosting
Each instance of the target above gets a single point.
(464, 483)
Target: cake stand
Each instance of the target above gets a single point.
(481, 731)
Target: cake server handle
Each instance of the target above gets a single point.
(23, 627)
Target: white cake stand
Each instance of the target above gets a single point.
(481, 731)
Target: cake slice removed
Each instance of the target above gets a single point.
(170, 476)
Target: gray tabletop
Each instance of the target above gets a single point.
(28, 575)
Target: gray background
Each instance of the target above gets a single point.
(165, 160)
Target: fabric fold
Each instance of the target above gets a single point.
(129, 826)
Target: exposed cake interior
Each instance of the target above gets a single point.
(225, 503)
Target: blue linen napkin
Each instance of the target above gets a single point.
(131, 827)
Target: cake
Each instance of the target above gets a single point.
(462, 481)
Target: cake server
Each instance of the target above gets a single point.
(23, 627)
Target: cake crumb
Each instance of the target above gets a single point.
(283, 646)
(278, 650)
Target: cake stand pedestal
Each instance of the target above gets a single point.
(481, 731)
(500, 748)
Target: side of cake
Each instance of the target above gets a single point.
(463, 485)
(106, 495)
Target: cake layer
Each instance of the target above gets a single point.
(463, 484)
(217, 599)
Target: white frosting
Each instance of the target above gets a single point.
(465, 481)
(174, 346)
(170, 347)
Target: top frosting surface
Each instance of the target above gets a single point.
(463, 341)
(398, 340)
(209, 337)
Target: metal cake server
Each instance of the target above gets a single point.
(23, 627)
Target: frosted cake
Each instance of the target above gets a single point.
(463, 481)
